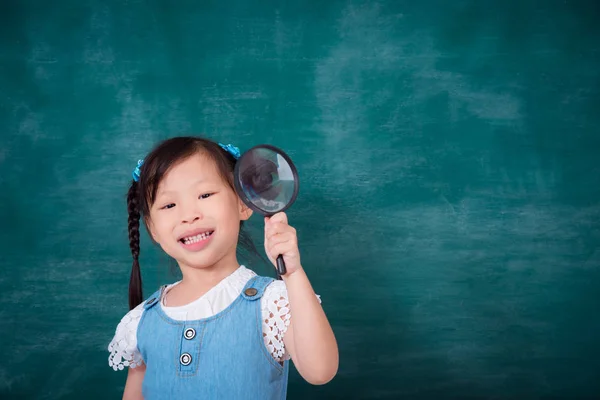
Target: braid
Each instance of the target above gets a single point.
(135, 281)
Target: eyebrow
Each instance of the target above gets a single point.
(163, 192)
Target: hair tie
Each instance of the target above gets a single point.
(234, 151)
(136, 171)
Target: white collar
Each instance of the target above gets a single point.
(231, 285)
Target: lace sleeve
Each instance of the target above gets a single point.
(276, 318)
(123, 347)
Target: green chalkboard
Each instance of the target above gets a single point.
(449, 211)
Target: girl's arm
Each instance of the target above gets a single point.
(133, 385)
(309, 338)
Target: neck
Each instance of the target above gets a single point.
(203, 278)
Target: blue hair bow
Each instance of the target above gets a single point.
(234, 151)
(136, 171)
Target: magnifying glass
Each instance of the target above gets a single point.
(267, 181)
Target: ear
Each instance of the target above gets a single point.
(245, 211)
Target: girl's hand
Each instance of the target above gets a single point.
(281, 239)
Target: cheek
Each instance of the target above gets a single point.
(230, 213)
(160, 226)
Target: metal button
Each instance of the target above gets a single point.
(251, 292)
(189, 333)
(185, 359)
(151, 301)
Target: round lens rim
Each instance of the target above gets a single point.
(242, 194)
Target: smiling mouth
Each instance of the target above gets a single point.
(196, 238)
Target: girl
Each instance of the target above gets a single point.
(222, 332)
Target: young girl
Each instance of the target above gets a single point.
(222, 332)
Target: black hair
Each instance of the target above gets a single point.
(141, 194)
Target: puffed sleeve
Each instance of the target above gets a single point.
(123, 347)
(276, 317)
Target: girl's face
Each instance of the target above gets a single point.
(196, 215)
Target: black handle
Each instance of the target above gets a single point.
(280, 265)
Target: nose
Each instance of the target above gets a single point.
(191, 213)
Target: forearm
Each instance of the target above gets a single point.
(315, 347)
(133, 385)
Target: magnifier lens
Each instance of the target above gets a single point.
(267, 179)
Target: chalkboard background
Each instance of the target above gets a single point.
(449, 212)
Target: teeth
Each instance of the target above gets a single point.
(197, 238)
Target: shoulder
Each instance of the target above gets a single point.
(130, 321)
(277, 291)
(274, 301)
(123, 346)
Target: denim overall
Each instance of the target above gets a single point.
(220, 357)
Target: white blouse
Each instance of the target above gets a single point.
(274, 306)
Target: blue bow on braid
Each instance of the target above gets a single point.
(136, 171)
(234, 151)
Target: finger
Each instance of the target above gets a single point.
(278, 229)
(272, 221)
(284, 248)
(281, 237)
(279, 217)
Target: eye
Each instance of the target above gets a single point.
(170, 205)
(205, 196)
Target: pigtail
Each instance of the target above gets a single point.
(135, 281)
